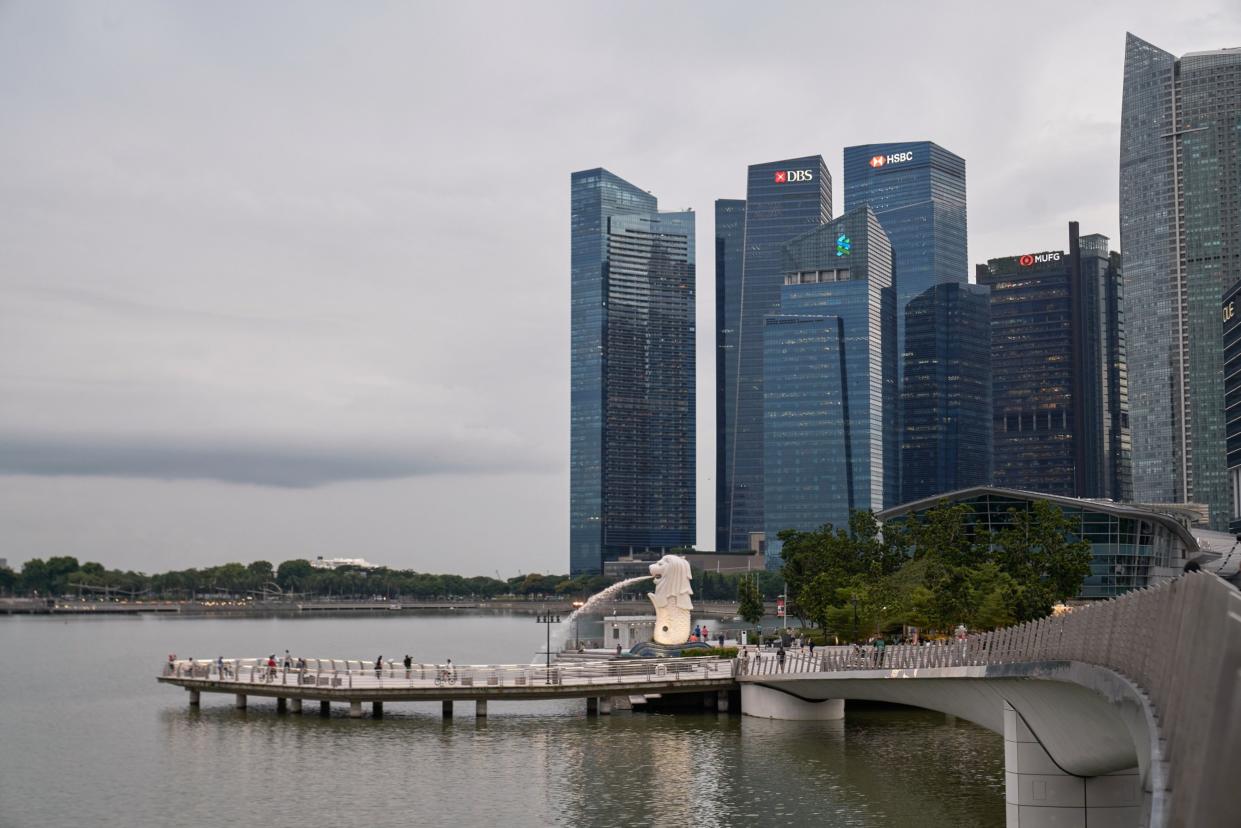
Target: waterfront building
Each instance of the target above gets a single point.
(1059, 394)
(1180, 230)
(632, 452)
(783, 199)
(1232, 398)
(1131, 546)
(946, 395)
(917, 188)
(829, 380)
(729, 247)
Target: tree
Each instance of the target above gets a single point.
(751, 602)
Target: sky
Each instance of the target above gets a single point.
(285, 279)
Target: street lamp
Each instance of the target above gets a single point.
(548, 618)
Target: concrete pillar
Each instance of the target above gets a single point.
(605, 705)
(282, 705)
(355, 709)
(721, 701)
(325, 708)
(447, 708)
(377, 710)
(592, 705)
(295, 705)
(480, 709)
(709, 700)
(1038, 794)
(769, 703)
(241, 701)
(193, 698)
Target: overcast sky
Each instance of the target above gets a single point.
(291, 279)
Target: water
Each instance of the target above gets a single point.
(591, 603)
(87, 737)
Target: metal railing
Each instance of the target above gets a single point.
(336, 674)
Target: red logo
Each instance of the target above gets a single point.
(878, 161)
(782, 177)
(1026, 260)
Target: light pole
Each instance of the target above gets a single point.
(548, 618)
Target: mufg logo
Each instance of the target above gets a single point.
(1029, 260)
(895, 158)
(790, 176)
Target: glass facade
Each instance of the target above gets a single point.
(946, 395)
(1131, 548)
(783, 199)
(1180, 230)
(1232, 398)
(729, 244)
(632, 452)
(830, 380)
(1058, 371)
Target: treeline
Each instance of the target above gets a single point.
(65, 576)
(934, 574)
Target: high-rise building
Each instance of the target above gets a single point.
(946, 395)
(1232, 398)
(1059, 395)
(1180, 230)
(632, 452)
(830, 380)
(917, 188)
(729, 244)
(783, 199)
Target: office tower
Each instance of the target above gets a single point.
(830, 379)
(783, 199)
(729, 244)
(917, 188)
(1232, 398)
(1180, 230)
(946, 396)
(1059, 394)
(632, 453)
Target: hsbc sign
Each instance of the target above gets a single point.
(1031, 259)
(895, 158)
(791, 176)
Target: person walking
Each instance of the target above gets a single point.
(780, 657)
(379, 666)
(879, 646)
(409, 663)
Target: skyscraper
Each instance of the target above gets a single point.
(729, 244)
(1232, 400)
(1059, 395)
(946, 396)
(1180, 230)
(829, 380)
(632, 452)
(783, 199)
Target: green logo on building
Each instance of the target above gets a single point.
(843, 245)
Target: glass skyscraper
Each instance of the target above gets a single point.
(632, 409)
(829, 380)
(946, 395)
(1232, 397)
(783, 199)
(729, 244)
(1180, 230)
(1059, 386)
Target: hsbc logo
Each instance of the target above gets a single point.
(895, 158)
(1029, 260)
(791, 176)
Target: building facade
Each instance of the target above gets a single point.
(1059, 395)
(1180, 230)
(783, 199)
(946, 429)
(830, 380)
(632, 381)
(1232, 399)
(729, 244)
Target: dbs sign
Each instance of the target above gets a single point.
(789, 176)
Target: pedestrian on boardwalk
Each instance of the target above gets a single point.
(409, 662)
(697, 632)
(271, 667)
(780, 656)
(812, 646)
(879, 645)
(219, 666)
(288, 661)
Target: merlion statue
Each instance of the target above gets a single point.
(671, 599)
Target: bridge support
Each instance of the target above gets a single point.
(240, 702)
(193, 698)
(605, 705)
(768, 703)
(447, 708)
(721, 701)
(480, 709)
(282, 705)
(592, 705)
(325, 708)
(377, 710)
(295, 705)
(1038, 794)
(355, 709)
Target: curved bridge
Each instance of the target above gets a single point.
(1126, 712)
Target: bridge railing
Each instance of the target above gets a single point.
(336, 674)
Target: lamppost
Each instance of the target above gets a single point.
(548, 618)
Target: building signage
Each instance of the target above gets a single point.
(1228, 311)
(1031, 259)
(844, 246)
(790, 176)
(895, 158)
